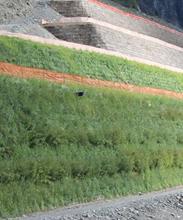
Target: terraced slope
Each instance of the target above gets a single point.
(105, 12)
(90, 64)
(110, 28)
(103, 35)
(69, 142)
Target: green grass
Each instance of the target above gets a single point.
(89, 64)
(29, 197)
(57, 148)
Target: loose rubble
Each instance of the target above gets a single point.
(26, 16)
(11, 9)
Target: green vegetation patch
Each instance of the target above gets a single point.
(89, 64)
(57, 148)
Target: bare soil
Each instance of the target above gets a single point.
(26, 72)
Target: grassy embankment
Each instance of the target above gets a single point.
(57, 148)
(94, 65)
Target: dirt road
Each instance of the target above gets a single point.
(163, 205)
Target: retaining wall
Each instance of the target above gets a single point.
(104, 12)
(83, 33)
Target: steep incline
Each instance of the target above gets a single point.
(25, 72)
(108, 28)
(69, 143)
(104, 35)
(116, 30)
(80, 47)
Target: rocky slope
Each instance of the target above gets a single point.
(10, 9)
(170, 11)
(25, 16)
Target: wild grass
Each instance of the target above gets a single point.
(89, 64)
(26, 197)
(37, 113)
(57, 148)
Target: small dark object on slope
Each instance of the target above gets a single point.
(80, 93)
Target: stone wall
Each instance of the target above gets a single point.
(78, 33)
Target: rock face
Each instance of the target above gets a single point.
(169, 10)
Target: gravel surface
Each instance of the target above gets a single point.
(10, 9)
(164, 205)
(25, 16)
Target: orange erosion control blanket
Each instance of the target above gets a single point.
(26, 72)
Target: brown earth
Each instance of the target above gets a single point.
(27, 72)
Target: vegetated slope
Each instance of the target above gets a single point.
(57, 147)
(61, 78)
(94, 65)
